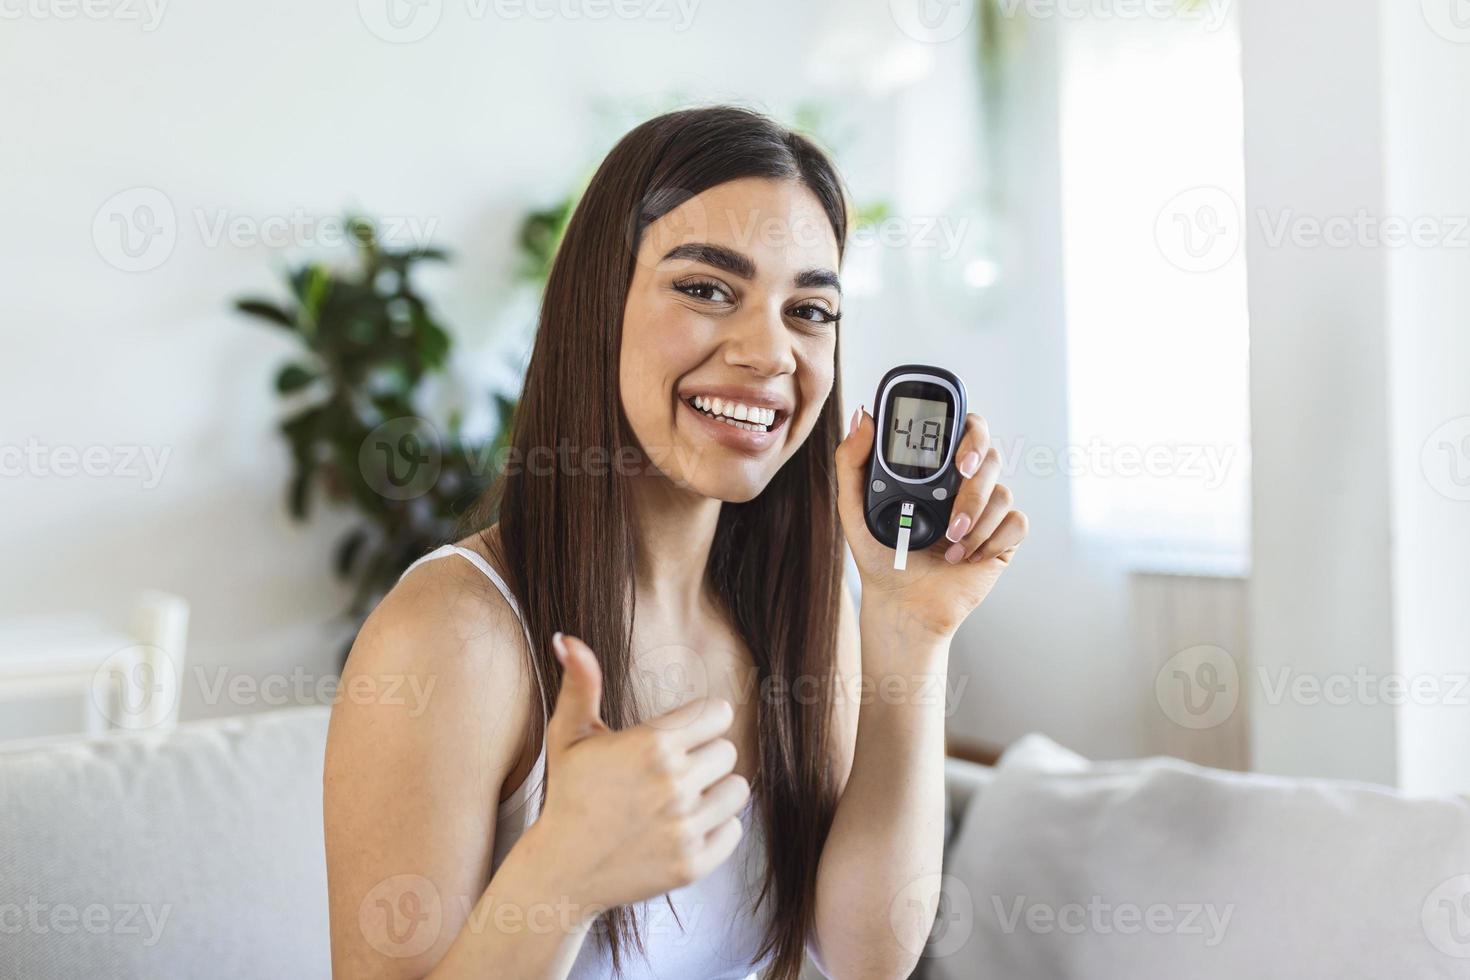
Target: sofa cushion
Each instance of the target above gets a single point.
(1157, 868)
(195, 853)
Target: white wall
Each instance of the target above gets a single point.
(265, 111)
(1426, 78)
(279, 109)
(1360, 395)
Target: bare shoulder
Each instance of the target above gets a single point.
(437, 673)
(430, 719)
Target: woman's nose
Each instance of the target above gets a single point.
(760, 341)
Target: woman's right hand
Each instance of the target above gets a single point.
(632, 814)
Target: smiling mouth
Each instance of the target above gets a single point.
(751, 418)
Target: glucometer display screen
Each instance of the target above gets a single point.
(917, 433)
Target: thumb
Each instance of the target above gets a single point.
(579, 702)
(852, 461)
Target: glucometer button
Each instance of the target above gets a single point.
(940, 493)
(879, 486)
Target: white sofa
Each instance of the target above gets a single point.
(190, 853)
(198, 853)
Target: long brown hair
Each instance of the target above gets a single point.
(776, 560)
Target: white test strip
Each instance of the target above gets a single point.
(901, 552)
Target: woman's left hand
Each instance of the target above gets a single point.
(946, 581)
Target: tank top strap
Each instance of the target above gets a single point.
(478, 560)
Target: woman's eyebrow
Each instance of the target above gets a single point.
(818, 279)
(716, 255)
(740, 265)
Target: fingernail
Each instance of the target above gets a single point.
(969, 463)
(958, 527)
(857, 419)
(955, 553)
(559, 646)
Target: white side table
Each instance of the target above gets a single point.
(78, 673)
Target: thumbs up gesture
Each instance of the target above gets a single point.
(639, 812)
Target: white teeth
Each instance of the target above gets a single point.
(734, 413)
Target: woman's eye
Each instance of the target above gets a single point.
(704, 289)
(815, 313)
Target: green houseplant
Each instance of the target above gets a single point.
(356, 437)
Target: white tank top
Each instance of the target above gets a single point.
(720, 931)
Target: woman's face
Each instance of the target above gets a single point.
(730, 334)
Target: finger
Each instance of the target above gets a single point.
(693, 723)
(719, 844)
(1006, 539)
(995, 511)
(711, 762)
(579, 702)
(852, 461)
(973, 445)
(723, 800)
(969, 503)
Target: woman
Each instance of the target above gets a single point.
(641, 753)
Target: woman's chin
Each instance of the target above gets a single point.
(732, 484)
